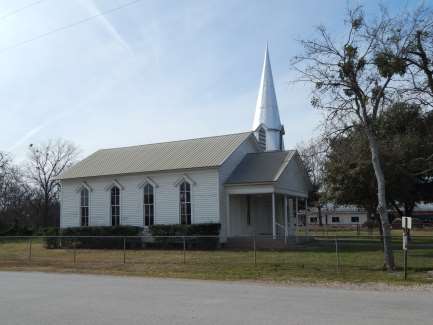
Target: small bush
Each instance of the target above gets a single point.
(203, 229)
(99, 237)
(50, 242)
(17, 230)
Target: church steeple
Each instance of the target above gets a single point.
(267, 125)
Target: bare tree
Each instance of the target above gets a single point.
(6, 181)
(417, 26)
(313, 155)
(13, 190)
(46, 162)
(354, 80)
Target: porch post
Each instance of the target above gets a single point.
(286, 221)
(274, 226)
(296, 213)
(228, 214)
(306, 220)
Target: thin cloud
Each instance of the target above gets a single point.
(91, 7)
(34, 131)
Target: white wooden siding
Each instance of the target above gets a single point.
(225, 170)
(204, 199)
(260, 213)
(292, 180)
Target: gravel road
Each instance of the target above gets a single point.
(48, 299)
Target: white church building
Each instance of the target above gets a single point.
(246, 181)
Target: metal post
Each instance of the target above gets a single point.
(337, 254)
(75, 251)
(305, 216)
(297, 220)
(124, 250)
(297, 215)
(254, 248)
(405, 242)
(184, 250)
(274, 224)
(286, 220)
(30, 250)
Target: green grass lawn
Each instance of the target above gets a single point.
(360, 262)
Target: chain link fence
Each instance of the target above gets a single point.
(313, 253)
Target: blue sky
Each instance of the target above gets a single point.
(154, 71)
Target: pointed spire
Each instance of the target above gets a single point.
(267, 107)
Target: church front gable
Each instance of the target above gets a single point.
(293, 179)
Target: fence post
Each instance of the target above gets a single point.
(30, 250)
(337, 253)
(75, 251)
(184, 250)
(254, 248)
(405, 244)
(124, 250)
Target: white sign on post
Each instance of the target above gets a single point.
(406, 223)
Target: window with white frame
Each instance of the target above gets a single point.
(84, 207)
(185, 203)
(148, 205)
(335, 219)
(354, 219)
(115, 206)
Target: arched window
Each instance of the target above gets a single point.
(84, 207)
(148, 207)
(115, 206)
(185, 203)
(262, 138)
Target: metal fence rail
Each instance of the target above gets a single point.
(315, 253)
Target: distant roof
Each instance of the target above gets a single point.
(261, 167)
(182, 154)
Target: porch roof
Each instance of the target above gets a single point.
(261, 167)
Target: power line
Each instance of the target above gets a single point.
(62, 28)
(14, 12)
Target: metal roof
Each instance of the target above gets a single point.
(183, 154)
(261, 167)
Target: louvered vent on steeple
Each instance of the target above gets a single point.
(262, 139)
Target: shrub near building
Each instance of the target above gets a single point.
(94, 237)
(197, 236)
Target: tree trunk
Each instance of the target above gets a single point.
(319, 213)
(381, 199)
(381, 235)
(46, 210)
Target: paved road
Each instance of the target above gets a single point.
(48, 299)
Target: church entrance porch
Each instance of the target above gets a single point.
(268, 215)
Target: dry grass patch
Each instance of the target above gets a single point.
(305, 265)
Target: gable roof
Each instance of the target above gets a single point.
(182, 154)
(261, 167)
